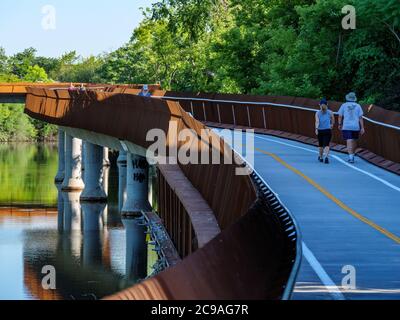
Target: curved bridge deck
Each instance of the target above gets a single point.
(348, 215)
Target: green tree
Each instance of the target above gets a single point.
(36, 74)
(3, 61)
(14, 124)
(20, 62)
(50, 65)
(85, 70)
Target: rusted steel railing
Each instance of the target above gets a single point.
(252, 257)
(189, 220)
(297, 117)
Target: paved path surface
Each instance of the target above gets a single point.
(349, 216)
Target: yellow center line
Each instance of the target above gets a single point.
(333, 198)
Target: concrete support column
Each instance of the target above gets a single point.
(73, 165)
(93, 191)
(122, 170)
(137, 186)
(61, 157)
(105, 179)
(83, 161)
(136, 250)
(106, 157)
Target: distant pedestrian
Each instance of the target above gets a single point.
(82, 88)
(324, 122)
(71, 87)
(145, 91)
(351, 123)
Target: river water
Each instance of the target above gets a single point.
(89, 249)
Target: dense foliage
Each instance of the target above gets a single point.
(278, 47)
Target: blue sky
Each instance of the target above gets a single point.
(87, 26)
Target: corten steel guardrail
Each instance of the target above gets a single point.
(20, 88)
(251, 258)
(290, 227)
(292, 118)
(295, 116)
(190, 221)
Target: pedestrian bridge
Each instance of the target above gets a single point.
(238, 235)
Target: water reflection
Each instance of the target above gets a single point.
(27, 173)
(94, 252)
(83, 253)
(136, 250)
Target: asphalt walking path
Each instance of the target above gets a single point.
(349, 217)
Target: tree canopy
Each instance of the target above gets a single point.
(276, 47)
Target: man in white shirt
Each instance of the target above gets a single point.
(351, 123)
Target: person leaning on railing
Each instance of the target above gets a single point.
(324, 122)
(351, 123)
(71, 87)
(82, 88)
(145, 92)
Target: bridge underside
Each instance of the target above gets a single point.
(12, 98)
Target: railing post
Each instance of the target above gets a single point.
(248, 116)
(265, 118)
(192, 108)
(219, 113)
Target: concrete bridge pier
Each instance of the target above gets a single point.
(92, 225)
(106, 157)
(105, 179)
(61, 157)
(122, 170)
(137, 187)
(83, 161)
(73, 165)
(136, 249)
(94, 191)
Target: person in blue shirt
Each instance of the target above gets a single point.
(145, 91)
(82, 88)
(351, 123)
(324, 122)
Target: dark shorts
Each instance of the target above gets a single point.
(324, 138)
(351, 135)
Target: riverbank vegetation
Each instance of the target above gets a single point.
(277, 47)
(27, 174)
